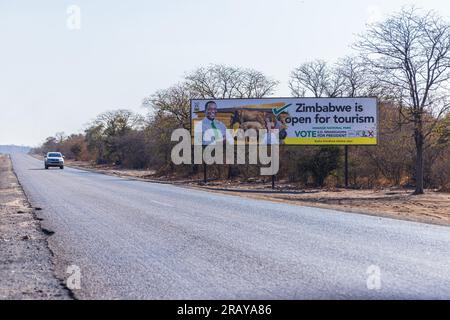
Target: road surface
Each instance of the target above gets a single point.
(142, 240)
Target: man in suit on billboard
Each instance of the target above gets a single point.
(211, 129)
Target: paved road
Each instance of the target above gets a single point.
(142, 240)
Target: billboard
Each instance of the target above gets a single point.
(299, 121)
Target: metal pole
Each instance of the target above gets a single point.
(346, 166)
(204, 172)
(273, 176)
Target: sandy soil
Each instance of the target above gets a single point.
(431, 207)
(112, 170)
(26, 269)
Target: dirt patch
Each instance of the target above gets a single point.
(26, 269)
(432, 207)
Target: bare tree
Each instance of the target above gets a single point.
(118, 122)
(410, 53)
(60, 136)
(355, 77)
(254, 84)
(214, 82)
(317, 78)
(173, 101)
(220, 81)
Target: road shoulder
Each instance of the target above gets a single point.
(26, 268)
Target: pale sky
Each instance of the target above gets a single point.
(56, 79)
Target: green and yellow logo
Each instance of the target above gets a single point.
(278, 111)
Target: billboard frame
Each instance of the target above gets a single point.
(299, 145)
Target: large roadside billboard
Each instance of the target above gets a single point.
(299, 121)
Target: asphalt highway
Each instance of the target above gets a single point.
(141, 240)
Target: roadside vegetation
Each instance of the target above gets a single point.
(404, 61)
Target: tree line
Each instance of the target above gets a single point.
(404, 61)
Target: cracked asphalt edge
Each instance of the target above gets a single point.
(28, 270)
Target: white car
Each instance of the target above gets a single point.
(54, 159)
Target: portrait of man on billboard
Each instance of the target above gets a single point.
(210, 129)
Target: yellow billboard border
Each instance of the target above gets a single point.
(358, 141)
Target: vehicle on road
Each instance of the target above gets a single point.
(54, 159)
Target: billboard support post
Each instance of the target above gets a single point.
(346, 165)
(204, 166)
(273, 176)
(204, 173)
